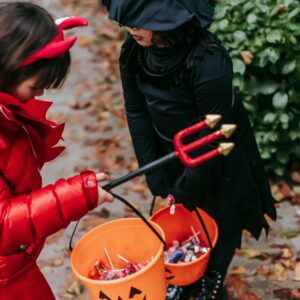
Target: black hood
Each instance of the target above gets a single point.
(159, 15)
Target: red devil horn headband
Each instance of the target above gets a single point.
(58, 45)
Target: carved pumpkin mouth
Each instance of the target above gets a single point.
(132, 295)
(171, 276)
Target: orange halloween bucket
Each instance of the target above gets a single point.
(178, 227)
(133, 240)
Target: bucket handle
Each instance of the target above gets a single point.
(136, 212)
(198, 216)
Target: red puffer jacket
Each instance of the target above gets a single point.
(29, 213)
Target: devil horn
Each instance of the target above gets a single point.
(51, 51)
(71, 22)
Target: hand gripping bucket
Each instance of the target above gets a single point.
(178, 227)
(132, 239)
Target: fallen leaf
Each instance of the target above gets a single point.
(247, 57)
(85, 41)
(290, 234)
(295, 176)
(249, 253)
(282, 293)
(295, 294)
(248, 296)
(236, 284)
(278, 273)
(240, 270)
(287, 253)
(263, 270)
(297, 272)
(74, 286)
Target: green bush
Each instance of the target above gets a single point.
(263, 38)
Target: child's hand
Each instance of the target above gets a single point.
(104, 196)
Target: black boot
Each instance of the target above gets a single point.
(176, 292)
(211, 287)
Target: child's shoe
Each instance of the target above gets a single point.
(176, 293)
(211, 287)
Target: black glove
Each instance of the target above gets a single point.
(186, 190)
(158, 183)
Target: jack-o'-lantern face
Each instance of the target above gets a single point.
(169, 274)
(134, 294)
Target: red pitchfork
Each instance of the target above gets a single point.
(182, 150)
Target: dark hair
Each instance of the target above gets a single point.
(24, 29)
(186, 34)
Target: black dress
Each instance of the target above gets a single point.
(166, 90)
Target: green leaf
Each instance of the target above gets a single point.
(274, 36)
(279, 170)
(282, 157)
(280, 100)
(238, 66)
(239, 36)
(284, 118)
(269, 118)
(273, 55)
(251, 18)
(290, 234)
(289, 67)
(221, 11)
(294, 12)
(223, 24)
(265, 87)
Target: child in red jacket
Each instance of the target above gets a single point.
(34, 56)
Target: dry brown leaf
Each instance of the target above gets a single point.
(263, 270)
(295, 176)
(85, 41)
(297, 272)
(239, 270)
(139, 188)
(73, 286)
(287, 263)
(278, 273)
(248, 296)
(282, 293)
(247, 57)
(295, 294)
(287, 253)
(236, 284)
(111, 33)
(296, 200)
(92, 223)
(249, 253)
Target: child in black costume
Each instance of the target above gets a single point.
(174, 72)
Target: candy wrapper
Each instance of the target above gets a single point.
(100, 271)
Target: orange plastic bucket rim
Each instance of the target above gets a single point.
(146, 268)
(186, 272)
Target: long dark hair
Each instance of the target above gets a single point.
(24, 29)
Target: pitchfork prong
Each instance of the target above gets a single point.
(228, 129)
(212, 120)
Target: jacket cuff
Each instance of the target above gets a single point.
(90, 187)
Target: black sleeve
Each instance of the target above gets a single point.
(211, 79)
(145, 140)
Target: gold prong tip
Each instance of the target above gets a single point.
(225, 148)
(228, 129)
(212, 120)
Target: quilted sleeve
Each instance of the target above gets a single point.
(30, 217)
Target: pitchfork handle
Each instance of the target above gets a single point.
(145, 169)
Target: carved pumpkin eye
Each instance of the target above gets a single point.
(134, 291)
(103, 296)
